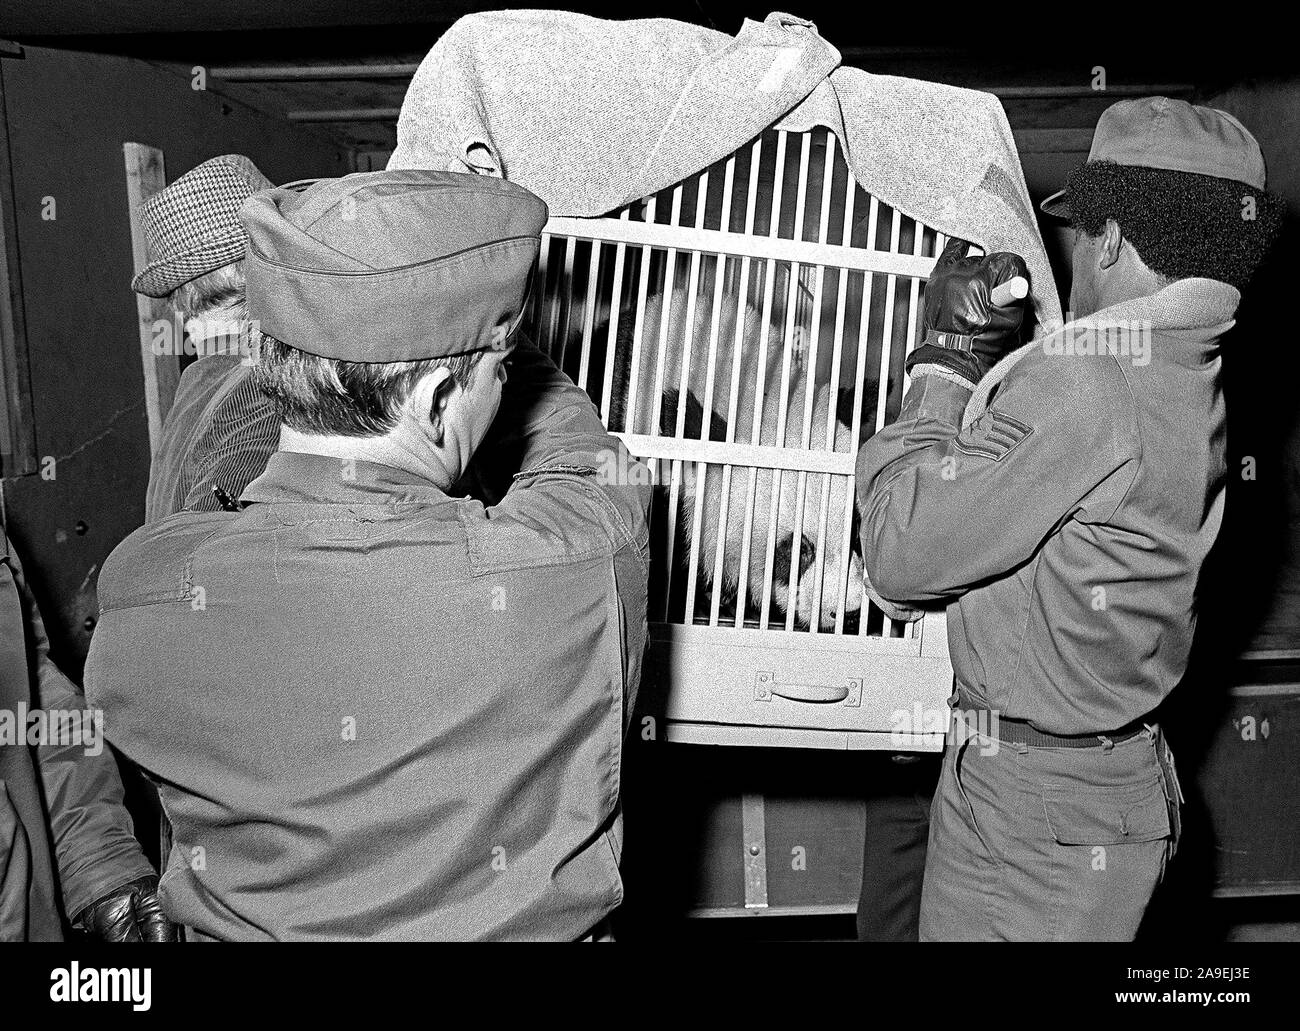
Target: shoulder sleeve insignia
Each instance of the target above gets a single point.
(993, 435)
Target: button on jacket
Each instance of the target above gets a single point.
(377, 711)
(1070, 519)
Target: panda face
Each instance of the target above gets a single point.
(738, 527)
(805, 603)
(795, 583)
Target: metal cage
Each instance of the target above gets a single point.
(743, 332)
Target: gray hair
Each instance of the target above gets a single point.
(218, 294)
(325, 396)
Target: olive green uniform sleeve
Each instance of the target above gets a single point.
(945, 509)
(563, 488)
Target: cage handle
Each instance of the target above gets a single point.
(765, 687)
(1012, 290)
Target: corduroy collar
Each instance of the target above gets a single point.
(1190, 306)
(1183, 304)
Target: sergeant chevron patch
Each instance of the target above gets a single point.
(992, 435)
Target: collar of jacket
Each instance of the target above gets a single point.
(292, 477)
(216, 336)
(1184, 304)
(1202, 309)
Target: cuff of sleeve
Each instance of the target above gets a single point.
(896, 612)
(112, 872)
(942, 372)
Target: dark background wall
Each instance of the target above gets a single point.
(1254, 586)
(69, 114)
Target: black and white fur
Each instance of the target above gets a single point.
(791, 589)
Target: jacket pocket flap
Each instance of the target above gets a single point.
(1108, 818)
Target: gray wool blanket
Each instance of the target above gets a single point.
(592, 114)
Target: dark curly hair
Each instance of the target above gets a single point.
(1181, 223)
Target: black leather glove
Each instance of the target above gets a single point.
(964, 332)
(130, 913)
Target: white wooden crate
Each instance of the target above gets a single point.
(742, 333)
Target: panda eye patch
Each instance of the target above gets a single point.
(785, 552)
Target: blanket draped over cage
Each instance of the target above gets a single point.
(592, 114)
(740, 233)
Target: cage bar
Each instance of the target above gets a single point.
(769, 239)
(733, 397)
(759, 392)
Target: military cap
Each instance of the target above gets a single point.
(391, 266)
(1157, 132)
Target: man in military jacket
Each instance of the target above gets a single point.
(378, 710)
(1066, 510)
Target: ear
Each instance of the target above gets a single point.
(1112, 242)
(782, 559)
(429, 399)
(870, 396)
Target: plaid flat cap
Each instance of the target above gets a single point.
(392, 266)
(192, 227)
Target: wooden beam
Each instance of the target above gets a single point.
(359, 71)
(145, 176)
(1159, 89)
(753, 821)
(313, 73)
(17, 422)
(352, 114)
(1053, 141)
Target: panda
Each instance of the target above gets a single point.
(775, 494)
